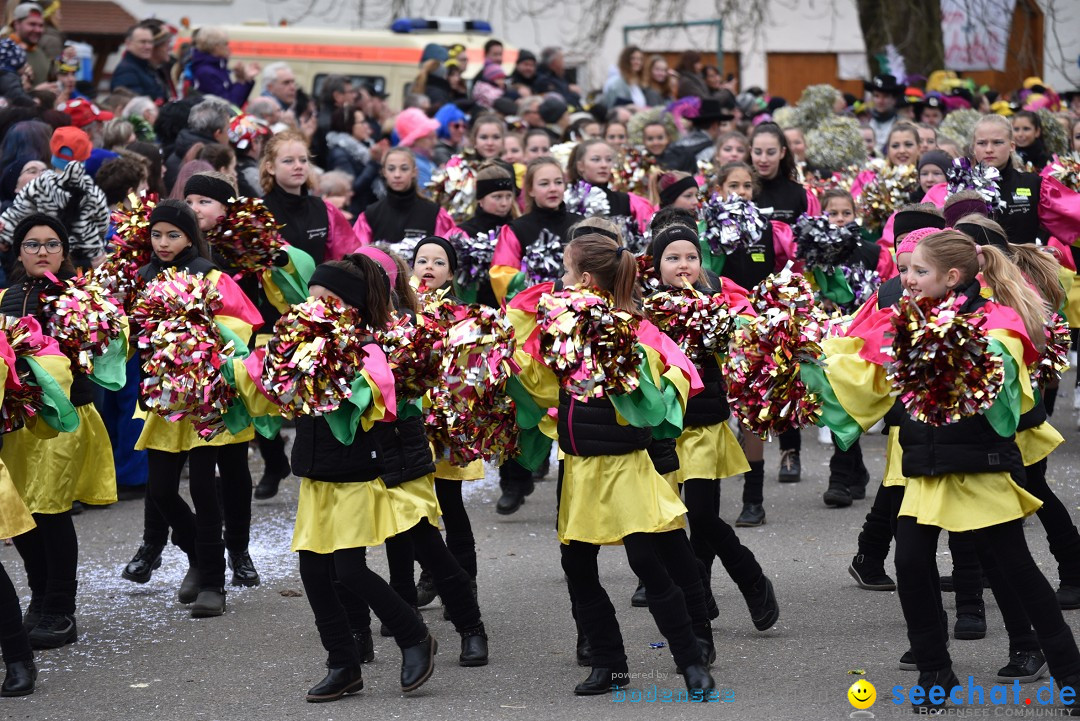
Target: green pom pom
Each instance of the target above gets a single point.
(1054, 136)
(835, 144)
(959, 127)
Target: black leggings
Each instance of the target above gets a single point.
(660, 560)
(273, 454)
(1061, 532)
(235, 491)
(232, 465)
(920, 600)
(198, 534)
(710, 534)
(880, 524)
(348, 567)
(451, 581)
(791, 440)
(50, 553)
(14, 644)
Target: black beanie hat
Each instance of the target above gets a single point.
(34, 220)
(671, 193)
(669, 235)
(209, 186)
(936, 157)
(451, 254)
(179, 214)
(909, 220)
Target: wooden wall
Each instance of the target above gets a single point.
(790, 73)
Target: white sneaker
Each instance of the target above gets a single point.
(1076, 398)
(877, 428)
(1072, 359)
(824, 436)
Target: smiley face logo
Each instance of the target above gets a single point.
(862, 694)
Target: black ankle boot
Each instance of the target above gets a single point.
(53, 631)
(243, 569)
(417, 664)
(601, 679)
(928, 679)
(761, 600)
(189, 587)
(366, 644)
(638, 600)
(970, 622)
(474, 647)
(869, 573)
(425, 590)
(20, 679)
(146, 560)
(32, 617)
(209, 603)
(338, 682)
(699, 682)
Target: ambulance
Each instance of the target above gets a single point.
(388, 60)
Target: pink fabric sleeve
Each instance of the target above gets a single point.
(362, 230)
(507, 249)
(641, 210)
(672, 355)
(1063, 253)
(444, 224)
(783, 243)
(863, 178)
(886, 265)
(937, 195)
(888, 239)
(341, 239)
(1059, 210)
(813, 205)
(236, 304)
(378, 370)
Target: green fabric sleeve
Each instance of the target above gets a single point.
(110, 368)
(517, 284)
(833, 286)
(833, 416)
(344, 420)
(57, 410)
(294, 285)
(1004, 414)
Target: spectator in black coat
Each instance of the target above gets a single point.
(134, 70)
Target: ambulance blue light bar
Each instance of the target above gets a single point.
(440, 25)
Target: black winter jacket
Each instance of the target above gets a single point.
(591, 429)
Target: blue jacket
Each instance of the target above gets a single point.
(138, 76)
(210, 76)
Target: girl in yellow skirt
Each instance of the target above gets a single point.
(15, 520)
(707, 449)
(178, 243)
(345, 506)
(52, 473)
(610, 492)
(434, 263)
(960, 477)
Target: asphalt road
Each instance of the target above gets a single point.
(140, 656)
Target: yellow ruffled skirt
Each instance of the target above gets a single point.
(605, 498)
(50, 474)
(709, 452)
(334, 516)
(1037, 443)
(472, 472)
(15, 518)
(159, 434)
(894, 460)
(966, 502)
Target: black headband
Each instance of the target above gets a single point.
(488, 186)
(909, 220)
(451, 254)
(669, 235)
(959, 208)
(669, 194)
(983, 235)
(345, 285)
(591, 229)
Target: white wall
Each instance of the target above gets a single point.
(794, 25)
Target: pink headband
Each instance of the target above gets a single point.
(907, 245)
(382, 259)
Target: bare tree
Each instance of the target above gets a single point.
(913, 28)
